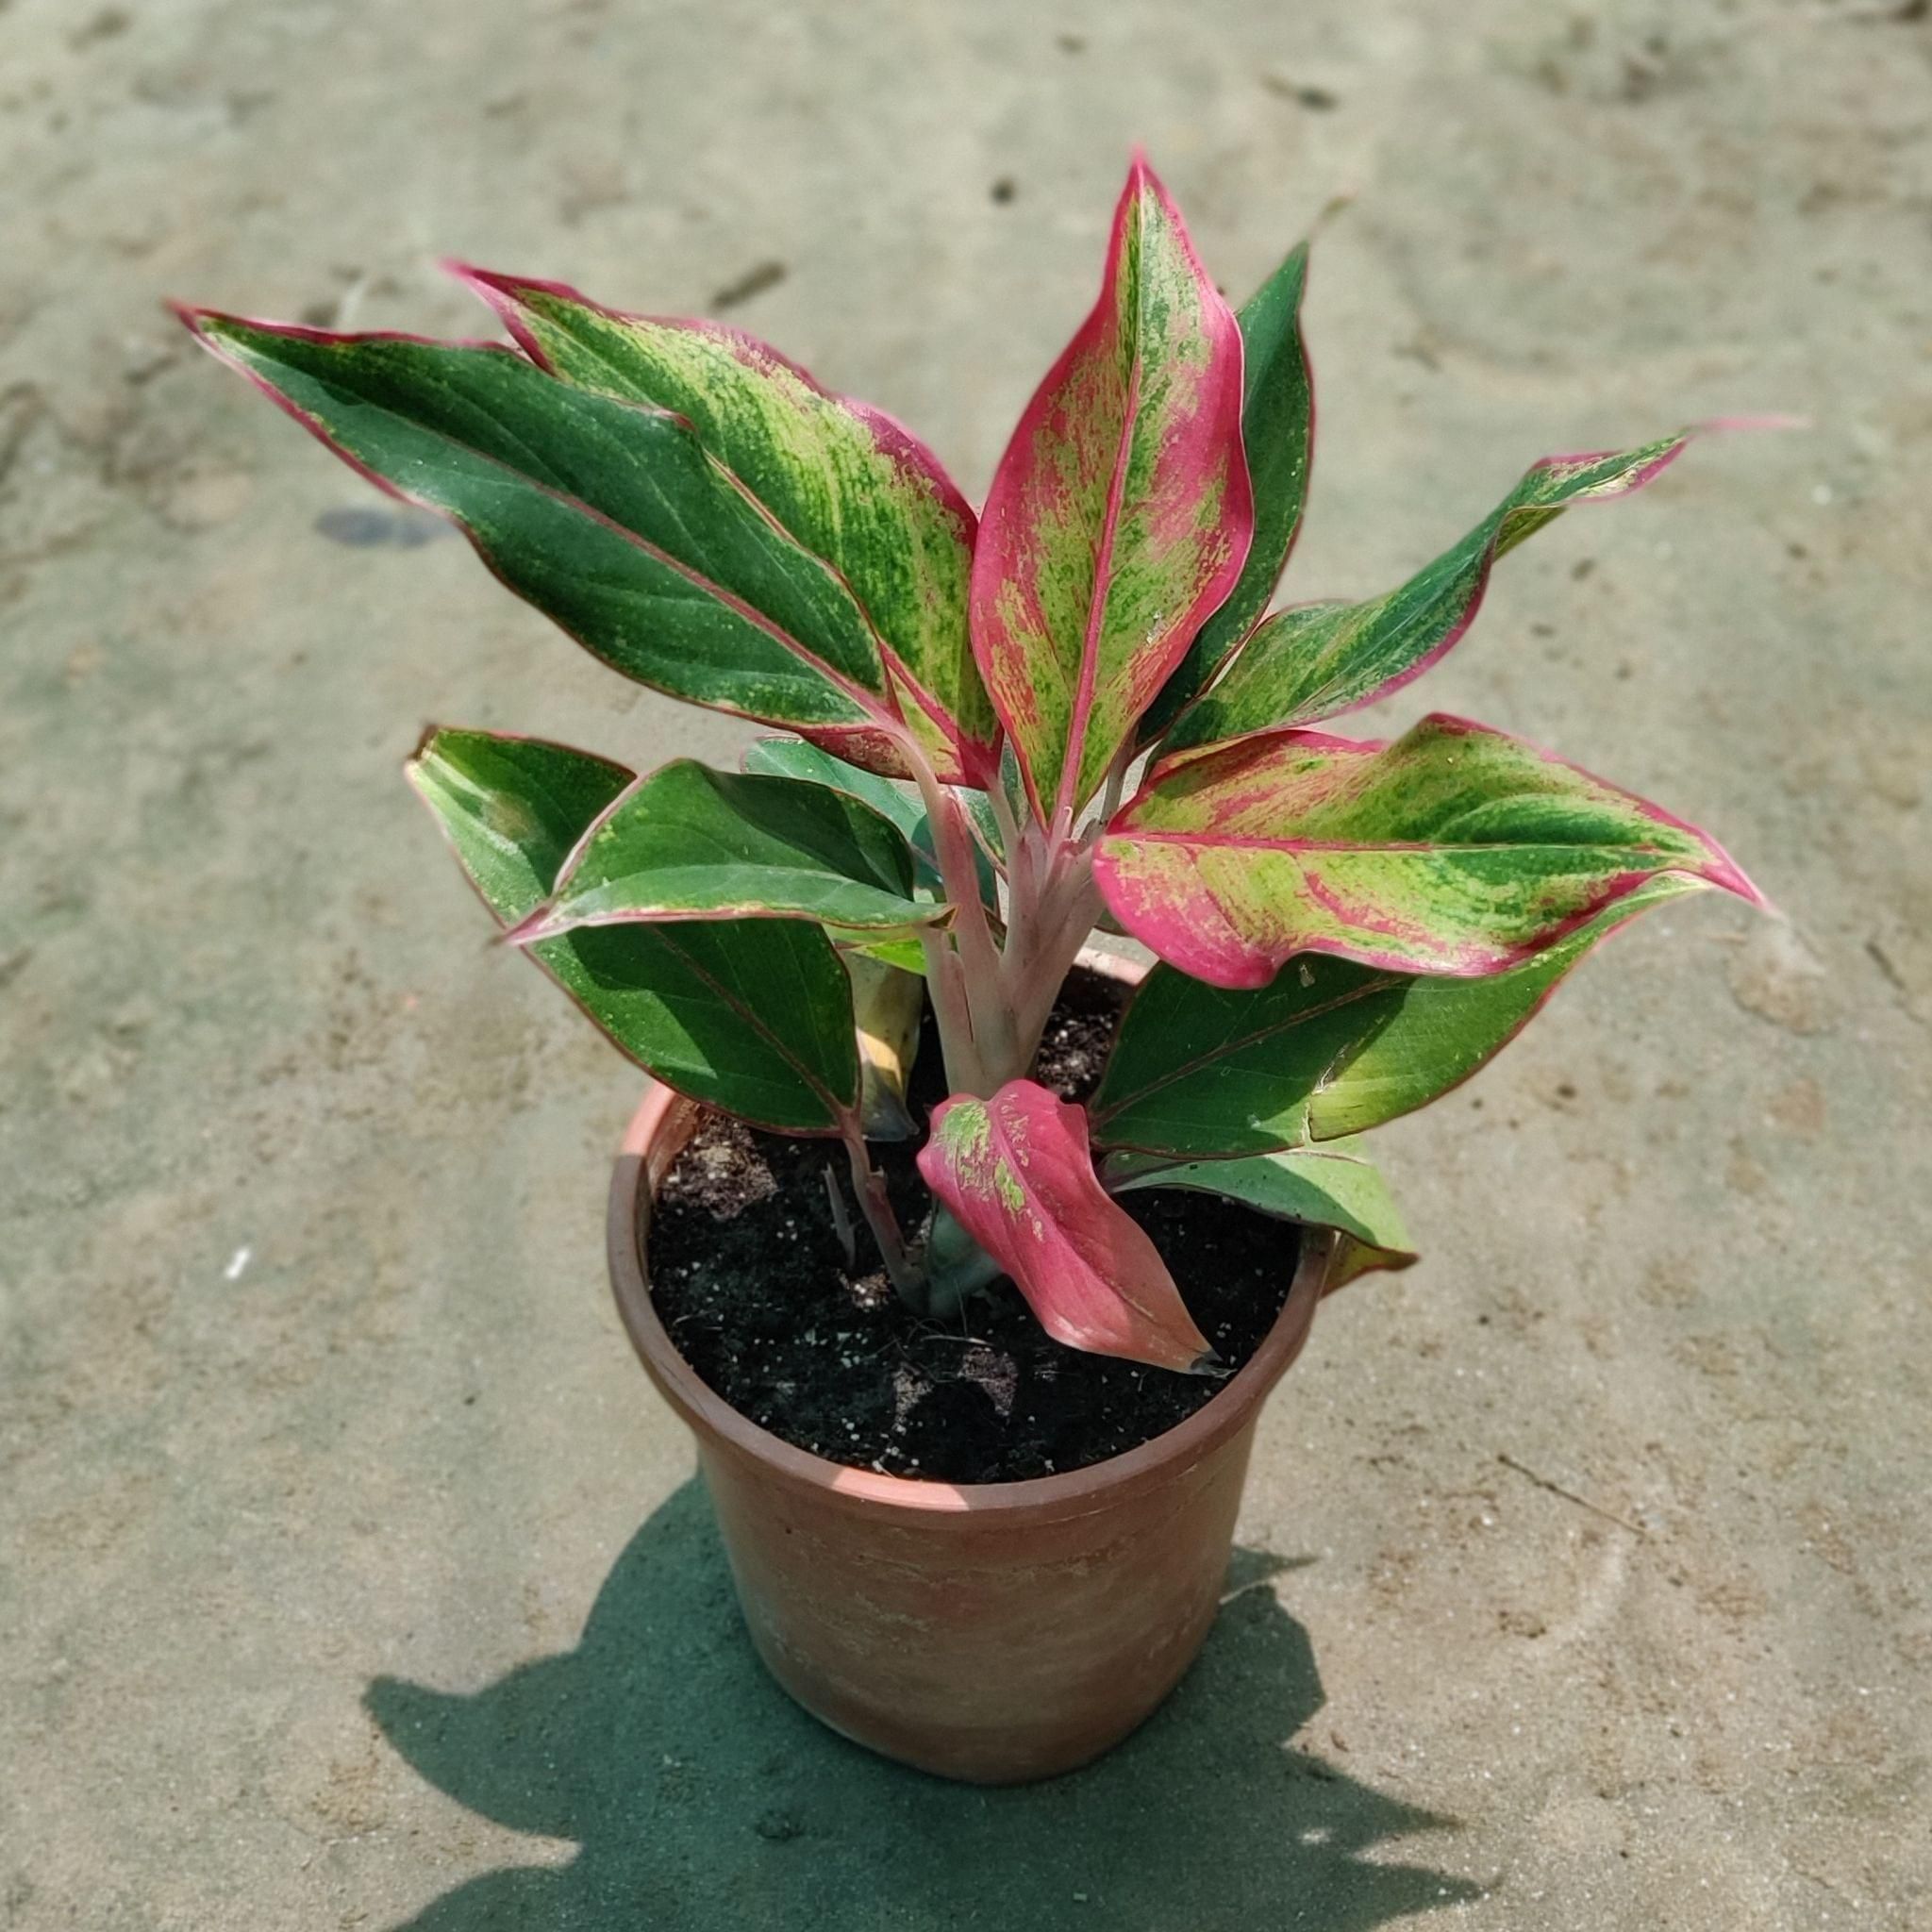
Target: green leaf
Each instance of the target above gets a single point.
(1330, 1048)
(688, 842)
(753, 1016)
(793, 757)
(1335, 1185)
(1320, 660)
(847, 480)
(1456, 849)
(1120, 514)
(907, 955)
(609, 517)
(1278, 432)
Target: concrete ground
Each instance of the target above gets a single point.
(354, 1578)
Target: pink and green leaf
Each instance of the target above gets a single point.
(609, 517)
(691, 843)
(1120, 515)
(1278, 435)
(1317, 660)
(847, 481)
(1330, 1048)
(1453, 850)
(1335, 1185)
(1018, 1173)
(753, 1016)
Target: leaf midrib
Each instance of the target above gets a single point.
(1245, 843)
(1074, 754)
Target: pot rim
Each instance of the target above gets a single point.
(658, 1132)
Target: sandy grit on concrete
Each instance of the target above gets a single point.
(353, 1576)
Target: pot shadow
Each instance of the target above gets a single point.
(701, 1796)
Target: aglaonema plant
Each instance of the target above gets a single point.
(998, 733)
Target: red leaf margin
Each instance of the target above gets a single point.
(1189, 932)
(1006, 528)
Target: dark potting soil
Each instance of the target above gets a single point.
(752, 1285)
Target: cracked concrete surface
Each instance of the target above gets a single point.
(352, 1576)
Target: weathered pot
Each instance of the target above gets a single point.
(994, 1632)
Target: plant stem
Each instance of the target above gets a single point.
(990, 1004)
(974, 1002)
(1070, 903)
(965, 1073)
(1023, 907)
(869, 1184)
(841, 1219)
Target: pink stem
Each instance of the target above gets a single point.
(1070, 903)
(972, 959)
(965, 1073)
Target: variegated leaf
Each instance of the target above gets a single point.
(1453, 850)
(1017, 1172)
(1317, 660)
(1335, 1185)
(852, 485)
(1279, 434)
(610, 518)
(1330, 1048)
(1120, 515)
(753, 1016)
(688, 842)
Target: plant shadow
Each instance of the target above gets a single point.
(701, 1796)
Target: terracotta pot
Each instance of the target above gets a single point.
(993, 1632)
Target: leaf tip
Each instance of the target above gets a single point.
(504, 292)
(1145, 184)
(1727, 875)
(541, 923)
(503, 295)
(208, 327)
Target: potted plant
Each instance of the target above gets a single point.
(996, 734)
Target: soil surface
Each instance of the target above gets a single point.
(751, 1281)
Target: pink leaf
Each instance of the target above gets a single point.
(1017, 1172)
(1121, 513)
(1453, 850)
